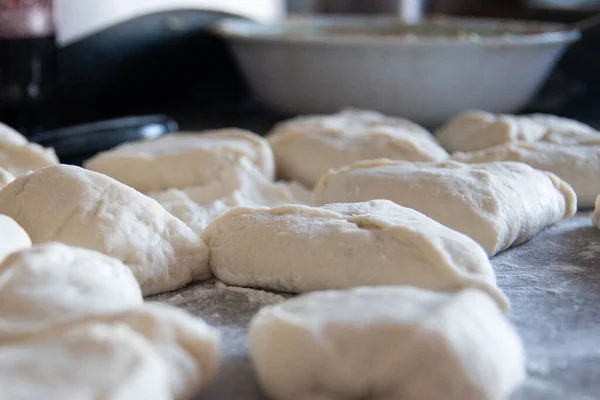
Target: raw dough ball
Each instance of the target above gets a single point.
(20, 159)
(243, 186)
(579, 166)
(498, 204)
(12, 237)
(93, 361)
(82, 208)
(182, 160)
(9, 135)
(307, 147)
(53, 283)
(386, 343)
(299, 249)
(476, 130)
(5, 178)
(187, 347)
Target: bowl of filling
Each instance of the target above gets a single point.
(426, 72)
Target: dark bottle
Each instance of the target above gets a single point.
(28, 64)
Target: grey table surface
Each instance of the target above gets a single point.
(553, 282)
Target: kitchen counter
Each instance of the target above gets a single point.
(553, 282)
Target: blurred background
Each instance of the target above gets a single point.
(67, 62)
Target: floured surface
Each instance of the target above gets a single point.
(553, 282)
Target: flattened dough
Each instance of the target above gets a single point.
(579, 166)
(307, 147)
(498, 205)
(386, 343)
(52, 283)
(5, 178)
(10, 135)
(82, 208)
(89, 362)
(19, 159)
(476, 130)
(12, 237)
(339, 246)
(184, 159)
(242, 186)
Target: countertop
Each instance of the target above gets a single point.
(553, 282)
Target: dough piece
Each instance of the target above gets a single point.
(12, 237)
(182, 160)
(477, 130)
(498, 205)
(299, 249)
(82, 208)
(579, 166)
(52, 283)
(386, 343)
(20, 159)
(5, 178)
(10, 135)
(89, 362)
(186, 344)
(307, 147)
(243, 186)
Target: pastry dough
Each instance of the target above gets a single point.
(88, 362)
(242, 186)
(307, 147)
(182, 160)
(9, 135)
(52, 283)
(51, 290)
(12, 237)
(122, 353)
(299, 249)
(5, 178)
(498, 205)
(386, 343)
(19, 159)
(579, 166)
(85, 209)
(477, 130)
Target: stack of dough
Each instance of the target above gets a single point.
(498, 205)
(386, 343)
(299, 249)
(240, 186)
(63, 306)
(82, 208)
(477, 130)
(307, 147)
(183, 160)
(579, 165)
(18, 156)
